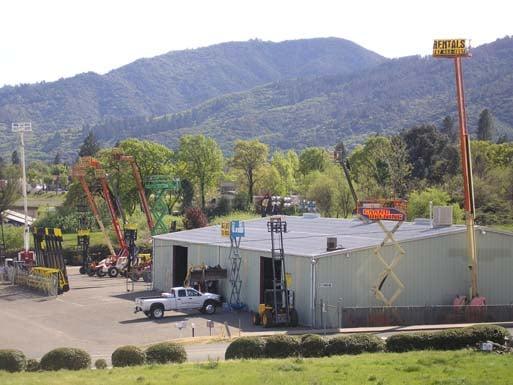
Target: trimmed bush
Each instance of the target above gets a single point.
(32, 365)
(245, 347)
(100, 364)
(355, 344)
(449, 339)
(12, 360)
(313, 345)
(128, 355)
(166, 352)
(281, 346)
(66, 358)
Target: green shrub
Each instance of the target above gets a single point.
(449, 339)
(32, 365)
(281, 346)
(12, 360)
(166, 352)
(355, 344)
(245, 347)
(313, 345)
(128, 356)
(66, 358)
(100, 364)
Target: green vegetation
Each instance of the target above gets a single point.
(415, 368)
(66, 358)
(172, 82)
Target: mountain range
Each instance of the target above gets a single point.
(290, 94)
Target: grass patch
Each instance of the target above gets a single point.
(433, 367)
(236, 215)
(69, 241)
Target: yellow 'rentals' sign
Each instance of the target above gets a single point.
(451, 47)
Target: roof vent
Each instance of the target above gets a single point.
(442, 216)
(331, 243)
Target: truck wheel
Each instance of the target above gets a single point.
(113, 272)
(267, 319)
(209, 307)
(157, 311)
(82, 270)
(90, 272)
(255, 319)
(100, 273)
(293, 317)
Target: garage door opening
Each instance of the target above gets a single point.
(266, 275)
(179, 265)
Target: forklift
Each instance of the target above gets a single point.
(278, 308)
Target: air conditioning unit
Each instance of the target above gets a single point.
(442, 216)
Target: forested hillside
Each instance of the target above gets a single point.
(317, 92)
(395, 95)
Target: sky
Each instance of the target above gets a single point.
(44, 40)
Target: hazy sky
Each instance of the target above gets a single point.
(49, 39)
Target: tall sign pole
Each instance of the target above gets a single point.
(21, 128)
(456, 49)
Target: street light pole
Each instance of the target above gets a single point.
(21, 128)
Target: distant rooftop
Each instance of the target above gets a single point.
(307, 236)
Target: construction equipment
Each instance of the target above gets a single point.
(340, 156)
(160, 185)
(48, 248)
(83, 239)
(204, 277)
(117, 155)
(141, 268)
(236, 231)
(79, 172)
(447, 49)
(279, 302)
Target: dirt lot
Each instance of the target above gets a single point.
(96, 315)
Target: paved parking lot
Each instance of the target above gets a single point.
(95, 315)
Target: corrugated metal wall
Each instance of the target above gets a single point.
(433, 270)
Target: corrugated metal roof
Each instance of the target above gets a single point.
(307, 236)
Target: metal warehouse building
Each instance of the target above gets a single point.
(433, 269)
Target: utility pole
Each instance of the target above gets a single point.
(21, 128)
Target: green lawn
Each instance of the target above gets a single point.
(432, 368)
(49, 199)
(69, 241)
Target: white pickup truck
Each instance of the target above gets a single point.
(179, 298)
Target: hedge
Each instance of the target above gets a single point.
(128, 355)
(354, 344)
(66, 358)
(281, 346)
(100, 363)
(245, 347)
(450, 339)
(313, 345)
(12, 360)
(166, 352)
(32, 365)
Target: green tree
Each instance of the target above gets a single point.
(57, 159)
(287, 165)
(313, 159)
(203, 161)
(418, 203)
(249, 156)
(485, 126)
(151, 158)
(399, 166)
(9, 193)
(90, 146)
(450, 129)
(15, 158)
